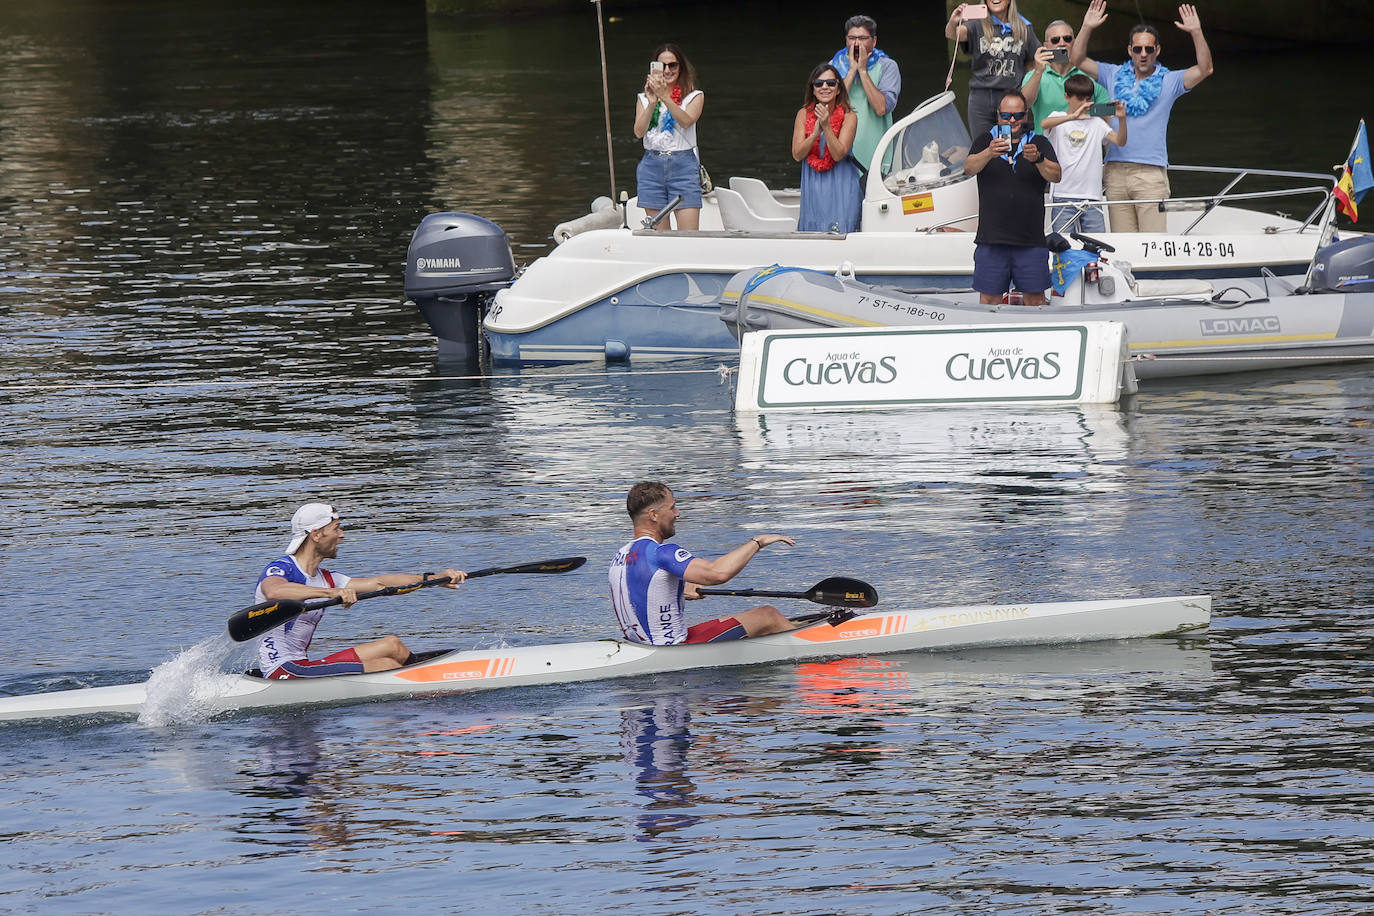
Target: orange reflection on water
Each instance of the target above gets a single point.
(853, 685)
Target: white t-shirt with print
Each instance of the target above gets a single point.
(1078, 144)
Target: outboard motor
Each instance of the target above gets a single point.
(455, 265)
(1344, 267)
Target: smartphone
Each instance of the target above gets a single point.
(1102, 109)
(976, 11)
(1059, 55)
(1004, 131)
(655, 66)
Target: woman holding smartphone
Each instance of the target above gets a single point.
(822, 137)
(1002, 45)
(666, 118)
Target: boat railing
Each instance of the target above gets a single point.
(1207, 203)
(1322, 189)
(944, 226)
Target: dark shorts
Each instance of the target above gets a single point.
(723, 630)
(996, 267)
(345, 661)
(661, 177)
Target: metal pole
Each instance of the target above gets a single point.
(605, 96)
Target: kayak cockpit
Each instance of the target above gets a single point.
(416, 658)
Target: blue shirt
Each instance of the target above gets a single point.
(646, 591)
(1146, 136)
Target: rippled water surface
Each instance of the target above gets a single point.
(204, 218)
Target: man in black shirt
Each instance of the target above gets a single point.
(1013, 165)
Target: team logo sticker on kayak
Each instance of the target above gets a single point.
(471, 669)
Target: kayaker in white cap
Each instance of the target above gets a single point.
(316, 532)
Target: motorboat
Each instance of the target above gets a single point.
(841, 633)
(614, 290)
(1174, 328)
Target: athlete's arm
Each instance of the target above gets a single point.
(275, 588)
(724, 568)
(372, 583)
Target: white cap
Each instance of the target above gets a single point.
(308, 518)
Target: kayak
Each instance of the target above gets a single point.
(875, 633)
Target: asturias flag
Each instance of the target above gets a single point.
(1067, 265)
(1356, 178)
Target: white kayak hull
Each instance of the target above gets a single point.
(486, 669)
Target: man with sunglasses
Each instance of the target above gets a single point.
(1139, 170)
(1043, 86)
(1014, 166)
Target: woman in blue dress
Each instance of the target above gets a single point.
(822, 136)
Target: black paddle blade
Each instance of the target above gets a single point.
(254, 621)
(566, 564)
(840, 591)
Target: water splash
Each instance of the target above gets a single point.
(182, 690)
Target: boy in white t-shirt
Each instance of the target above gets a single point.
(1078, 140)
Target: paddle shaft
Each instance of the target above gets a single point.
(260, 618)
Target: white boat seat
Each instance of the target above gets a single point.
(1164, 289)
(762, 201)
(736, 215)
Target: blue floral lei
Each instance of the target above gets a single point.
(1138, 96)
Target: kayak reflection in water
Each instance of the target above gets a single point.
(316, 532)
(651, 576)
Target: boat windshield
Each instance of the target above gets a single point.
(927, 153)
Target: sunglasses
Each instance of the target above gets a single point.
(820, 84)
(1143, 49)
(1059, 40)
(1011, 115)
(670, 65)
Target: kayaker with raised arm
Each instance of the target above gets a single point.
(316, 532)
(651, 576)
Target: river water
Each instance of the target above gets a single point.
(205, 211)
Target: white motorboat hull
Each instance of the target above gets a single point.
(616, 294)
(866, 634)
(629, 293)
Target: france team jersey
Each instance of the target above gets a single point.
(646, 591)
(291, 641)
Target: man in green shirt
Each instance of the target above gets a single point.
(1043, 87)
(873, 81)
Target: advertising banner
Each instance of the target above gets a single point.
(1081, 362)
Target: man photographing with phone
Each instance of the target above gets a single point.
(873, 82)
(1013, 165)
(1043, 86)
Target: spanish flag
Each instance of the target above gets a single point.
(1356, 177)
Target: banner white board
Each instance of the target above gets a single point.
(854, 368)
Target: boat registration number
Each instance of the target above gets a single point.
(1171, 248)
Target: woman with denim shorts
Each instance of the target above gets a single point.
(666, 118)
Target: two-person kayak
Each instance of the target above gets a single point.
(874, 633)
